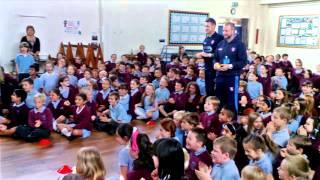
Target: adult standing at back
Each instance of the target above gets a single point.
(231, 57)
(209, 47)
(32, 40)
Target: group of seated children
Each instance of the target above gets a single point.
(276, 126)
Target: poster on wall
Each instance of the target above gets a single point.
(186, 28)
(72, 27)
(299, 31)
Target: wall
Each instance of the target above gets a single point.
(268, 44)
(127, 24)
(49, 28)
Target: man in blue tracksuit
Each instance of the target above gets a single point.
(231, 57)
(209, 47)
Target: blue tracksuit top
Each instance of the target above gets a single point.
(236, 52)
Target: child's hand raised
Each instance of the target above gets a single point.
(302, 131)
(204, 171)
(67, 103)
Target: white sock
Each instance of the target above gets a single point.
(54, 124)
(65, 132)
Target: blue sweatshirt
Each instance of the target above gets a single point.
(236, 52)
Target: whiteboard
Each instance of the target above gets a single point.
(299, 31)
(186, 28)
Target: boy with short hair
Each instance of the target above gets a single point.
(277, 129)
(196, 140)
(224, 150)
(23, 61)
(27, 86)
(279, 80)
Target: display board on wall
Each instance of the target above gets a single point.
(186, 28)
(299, 31)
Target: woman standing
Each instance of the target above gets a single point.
(32, 40)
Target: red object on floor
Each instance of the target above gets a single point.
(45, 143)
(151, 123)
(65, 169)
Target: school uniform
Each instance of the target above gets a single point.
(286, 65)
(49, 81)
(195, 157)
(141, 112)
(202, 86)
(82, 118)
(135, 98)
(186, 79)
(36, 83)
(24, 61)
(57, 108)
(142, 57)
(118, 115)
(156, 83)
(254, 88)
(172, 65)
(294, 124)
(266, 84)
(162, 94)
(281, 137)
(279, 82)
(206, 118)
(226, 170)
(92, 105)
(171, 84)
(102, 98)
(193, 103)
(29, 99)
(68, 93)
(73, 80)
(180, 99)
(124, 101)
(264, 163)
(266, 117)
(110, 66)
(31, 133)
(83, 82)
(18, 114)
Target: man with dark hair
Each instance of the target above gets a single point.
(231, 57)
(209, 47)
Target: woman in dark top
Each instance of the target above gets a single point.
(32, 40)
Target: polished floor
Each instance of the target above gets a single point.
(28, 161)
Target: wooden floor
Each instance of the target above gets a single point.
(27, 161)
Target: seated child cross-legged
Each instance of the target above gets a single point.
(148, 108)
(39, 121)
(79, 123)
(18, 114)
(177, 100)
(112, 117)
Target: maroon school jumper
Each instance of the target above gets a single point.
(180, 99)
(44, 116)
(266, 84)
(207, 118)
(134, 99)
(195, 158)
(82, 118)
(59, 110)
(18, 114)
